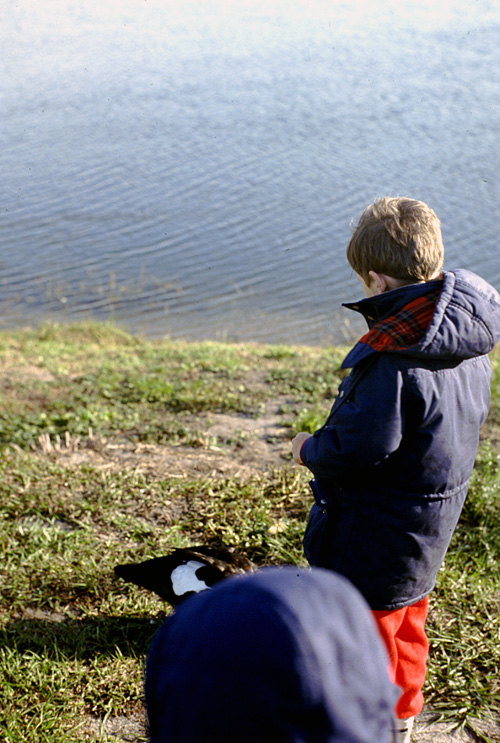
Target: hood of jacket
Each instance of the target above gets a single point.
(464, 324)
(284, 654)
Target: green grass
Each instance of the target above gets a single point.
(72, 637)
(63, 529)
(465, 619)
(92, 376)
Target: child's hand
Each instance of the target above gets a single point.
(297, 442)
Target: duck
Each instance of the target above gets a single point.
(185, 571)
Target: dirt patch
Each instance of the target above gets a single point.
(25, 373)
(491, 431)
(126, 729)
(228, 446)
(426, 730)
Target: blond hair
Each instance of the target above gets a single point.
(398, 237)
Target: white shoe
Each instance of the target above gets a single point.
(402, 730)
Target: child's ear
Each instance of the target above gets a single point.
(378, 280)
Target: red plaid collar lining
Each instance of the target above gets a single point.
(406, 328)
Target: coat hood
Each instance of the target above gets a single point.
(286, 655)
(465, 322)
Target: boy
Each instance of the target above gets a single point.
(392, 462)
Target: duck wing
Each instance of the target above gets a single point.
(183, 572)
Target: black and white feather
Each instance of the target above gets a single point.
(184, 571)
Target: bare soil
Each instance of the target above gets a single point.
(426, 730)
(231, 446)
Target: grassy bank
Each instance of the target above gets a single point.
(86, 413)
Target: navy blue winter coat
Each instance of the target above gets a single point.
(284, 655)
(392, 463)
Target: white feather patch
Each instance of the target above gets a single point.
(184, 579)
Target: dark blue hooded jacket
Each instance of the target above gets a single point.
(392, 463)
(284, 655)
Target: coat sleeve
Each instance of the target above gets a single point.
(363, 429)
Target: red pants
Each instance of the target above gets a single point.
(403, 631)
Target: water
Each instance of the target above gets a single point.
(192, 169)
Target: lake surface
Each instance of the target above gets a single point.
(191, 169)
